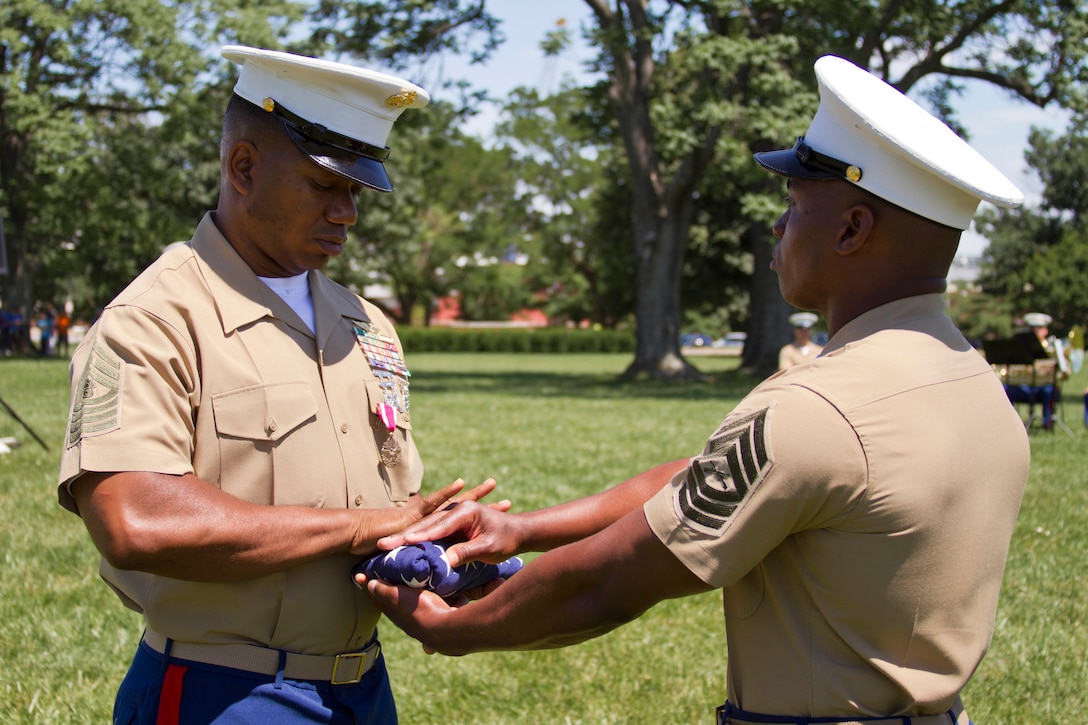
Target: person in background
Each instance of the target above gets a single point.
(46, 324)
(856, 511)
(1040, 346)
(18, 330)
(7, 324)
(1036, 338)
(64, 322)
(802, 349)
(240, 430)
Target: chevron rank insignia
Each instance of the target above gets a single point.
(734, 463)
(97, 405)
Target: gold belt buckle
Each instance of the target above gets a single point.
(355, 662)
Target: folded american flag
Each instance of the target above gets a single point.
(424, 566)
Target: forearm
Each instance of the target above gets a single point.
(230, 548)
(546, 529)
(181, 527)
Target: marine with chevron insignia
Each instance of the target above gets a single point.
(240, 432)
(858, 530)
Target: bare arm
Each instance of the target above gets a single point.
(184, 528)
(565, 596)
(561, 524)
(492, 536)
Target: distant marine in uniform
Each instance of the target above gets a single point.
(801, 349)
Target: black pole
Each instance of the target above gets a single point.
(23, 423)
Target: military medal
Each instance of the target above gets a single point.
(390, 450)
(388, 367)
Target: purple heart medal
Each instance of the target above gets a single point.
(390, 450)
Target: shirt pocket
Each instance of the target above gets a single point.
(400, 478)
(266, 443)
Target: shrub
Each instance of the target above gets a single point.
(534, 340)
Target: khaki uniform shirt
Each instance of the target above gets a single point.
(199, 367)
(857, 513)
(792, 354)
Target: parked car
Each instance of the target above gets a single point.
(733, 341)
(695, 339)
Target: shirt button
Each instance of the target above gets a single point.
(272, 425)
(359, 500)
(343, 427)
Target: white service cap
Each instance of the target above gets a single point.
(338, 115)
(803, 319)
(1037, 319)
(867, 132)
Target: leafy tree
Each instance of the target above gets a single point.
(140, 187)
(454, 200)
(494, 291)
(699, 84)
(981, 316)
(564, 164)
(692, 89)
(104, 112)
(396, 32)
(746, 40)
(673, 109)
(1038, 258)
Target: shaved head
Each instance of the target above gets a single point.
(244, 121)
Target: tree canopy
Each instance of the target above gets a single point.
(694, 85)
(632, 195)
(1037, 259)
(109, 119)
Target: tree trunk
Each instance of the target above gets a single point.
(406, 299)
(768, 328)
(659, 251)
(17, 287)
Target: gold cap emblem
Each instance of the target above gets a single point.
(269, 105)
(402, 99)
(853, 173)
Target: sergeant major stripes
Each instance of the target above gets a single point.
(97, 407)
(735, 461)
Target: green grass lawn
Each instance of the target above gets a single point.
(548, 428)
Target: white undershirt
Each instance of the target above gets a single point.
(295, 291)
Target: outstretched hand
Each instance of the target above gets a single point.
(376, 523)
(426, 505)
(476, 493)
(490, 534)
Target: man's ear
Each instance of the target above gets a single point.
(241, 161)
(856, 230)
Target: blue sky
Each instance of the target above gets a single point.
(998, 127)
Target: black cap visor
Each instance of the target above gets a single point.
(802, 161)
(360, 169)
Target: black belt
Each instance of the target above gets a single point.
(729, 714)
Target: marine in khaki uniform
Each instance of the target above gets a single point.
(802, 349)
(858, 532)
(240, 431)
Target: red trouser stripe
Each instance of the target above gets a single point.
(170, 698)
